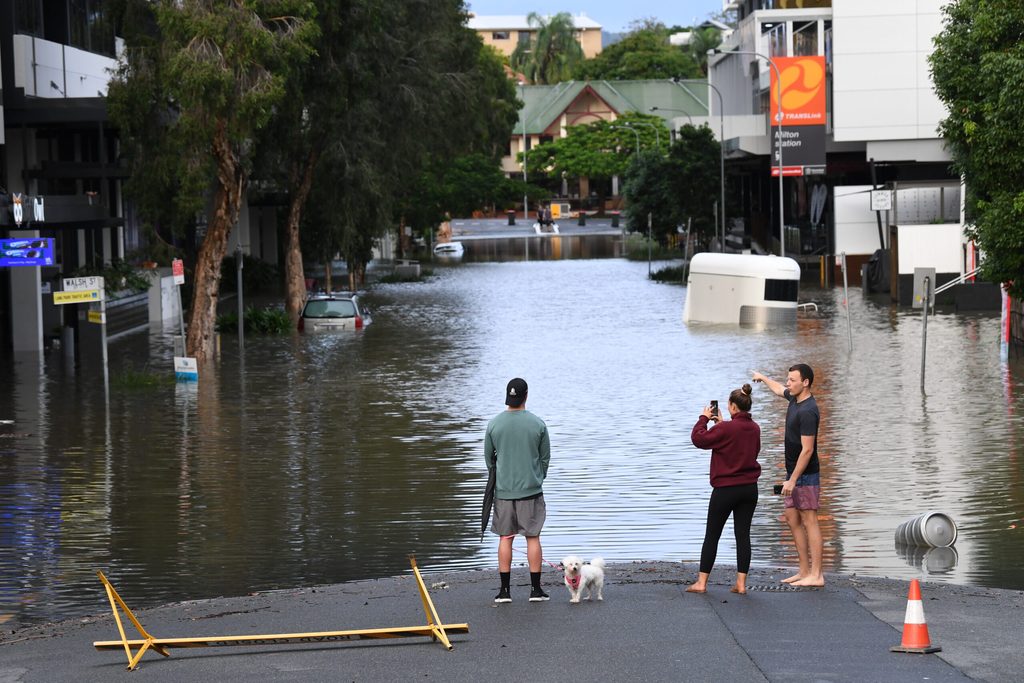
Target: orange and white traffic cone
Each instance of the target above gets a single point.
(915, 629)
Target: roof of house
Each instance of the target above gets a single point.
(518, 22)
(543, 104)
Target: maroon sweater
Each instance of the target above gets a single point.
(734, 447)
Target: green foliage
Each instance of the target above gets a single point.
(597, 150)
(674, 189)
(670, 274)
(118, 276)
(644, 53)
(192, 71)
(978, 71)
(257, 275)
(637, 245)
(553, 53)
(702, 40)
(257, 321)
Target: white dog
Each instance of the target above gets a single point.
(579, 576)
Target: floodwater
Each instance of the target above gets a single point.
(318, 459)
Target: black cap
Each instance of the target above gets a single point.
(515, 392)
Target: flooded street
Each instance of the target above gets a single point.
(319, 459)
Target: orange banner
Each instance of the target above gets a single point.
(803, 91)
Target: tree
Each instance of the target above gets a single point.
(213, 71)
(552, 53)
(676, 188)
(596, 150)
(702, 40)
(978, 71)
(644, 53)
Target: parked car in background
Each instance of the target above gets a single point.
(337, 311)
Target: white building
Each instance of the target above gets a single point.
(881, 131)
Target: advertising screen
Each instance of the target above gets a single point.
(27, 251)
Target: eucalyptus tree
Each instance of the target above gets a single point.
(396, 86)
(978, 70)
(210, 74)
(552, 53)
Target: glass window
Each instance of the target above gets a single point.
(524, 37)
(805, 39)
(28, 17)
(329, 308)
(499, 35)
(776, 36)
(781, 290)
(90, 27)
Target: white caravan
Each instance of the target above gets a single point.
(742, 288)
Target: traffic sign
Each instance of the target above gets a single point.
(77, 297)
(83, 284)
(178, 270)
(98, 317)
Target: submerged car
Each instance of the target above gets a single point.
(334, 312)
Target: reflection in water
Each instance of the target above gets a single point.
(931, 560)
(324, 458)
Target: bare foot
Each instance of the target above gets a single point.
(795, 577)
(741, 590)
(810, 582)
(696, 589)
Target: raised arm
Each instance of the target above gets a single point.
(775, 387)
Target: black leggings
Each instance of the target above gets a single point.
(741, 502)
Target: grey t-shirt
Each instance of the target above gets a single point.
(801, 420)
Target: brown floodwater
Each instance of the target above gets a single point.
(309, 459)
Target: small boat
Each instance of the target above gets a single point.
(448, 249)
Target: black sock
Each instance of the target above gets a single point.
(506, 578)
(535, 580)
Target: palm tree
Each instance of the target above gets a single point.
(552, 54)
(702, 40)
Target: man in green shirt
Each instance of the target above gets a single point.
(516, 444)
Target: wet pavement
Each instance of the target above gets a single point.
(647, 628)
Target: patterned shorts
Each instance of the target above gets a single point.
(805, 495)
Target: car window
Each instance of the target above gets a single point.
(330, 308)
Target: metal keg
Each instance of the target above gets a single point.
(930, 529)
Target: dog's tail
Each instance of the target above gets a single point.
(597, 562)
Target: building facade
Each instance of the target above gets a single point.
(880, 133)
(505, 32)
(550, 110)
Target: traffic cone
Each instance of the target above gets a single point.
(915, 629)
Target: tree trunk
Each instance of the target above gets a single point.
(295, 278)
(231, 184)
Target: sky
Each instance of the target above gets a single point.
(613, 15)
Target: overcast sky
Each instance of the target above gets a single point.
(613, 15)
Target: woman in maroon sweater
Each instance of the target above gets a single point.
(734, 471)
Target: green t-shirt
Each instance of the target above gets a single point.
(520, 439)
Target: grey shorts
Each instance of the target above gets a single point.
(524, 516)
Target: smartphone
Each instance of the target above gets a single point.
(714, 408)
(778, 489)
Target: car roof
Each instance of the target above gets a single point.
(329, 296)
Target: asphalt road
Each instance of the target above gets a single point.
(647, 628)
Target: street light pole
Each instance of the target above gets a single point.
(721, 144)
(778, 81)
(680, 111)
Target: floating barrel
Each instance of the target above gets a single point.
(930, 529)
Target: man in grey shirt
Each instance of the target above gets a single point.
(516, 444)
